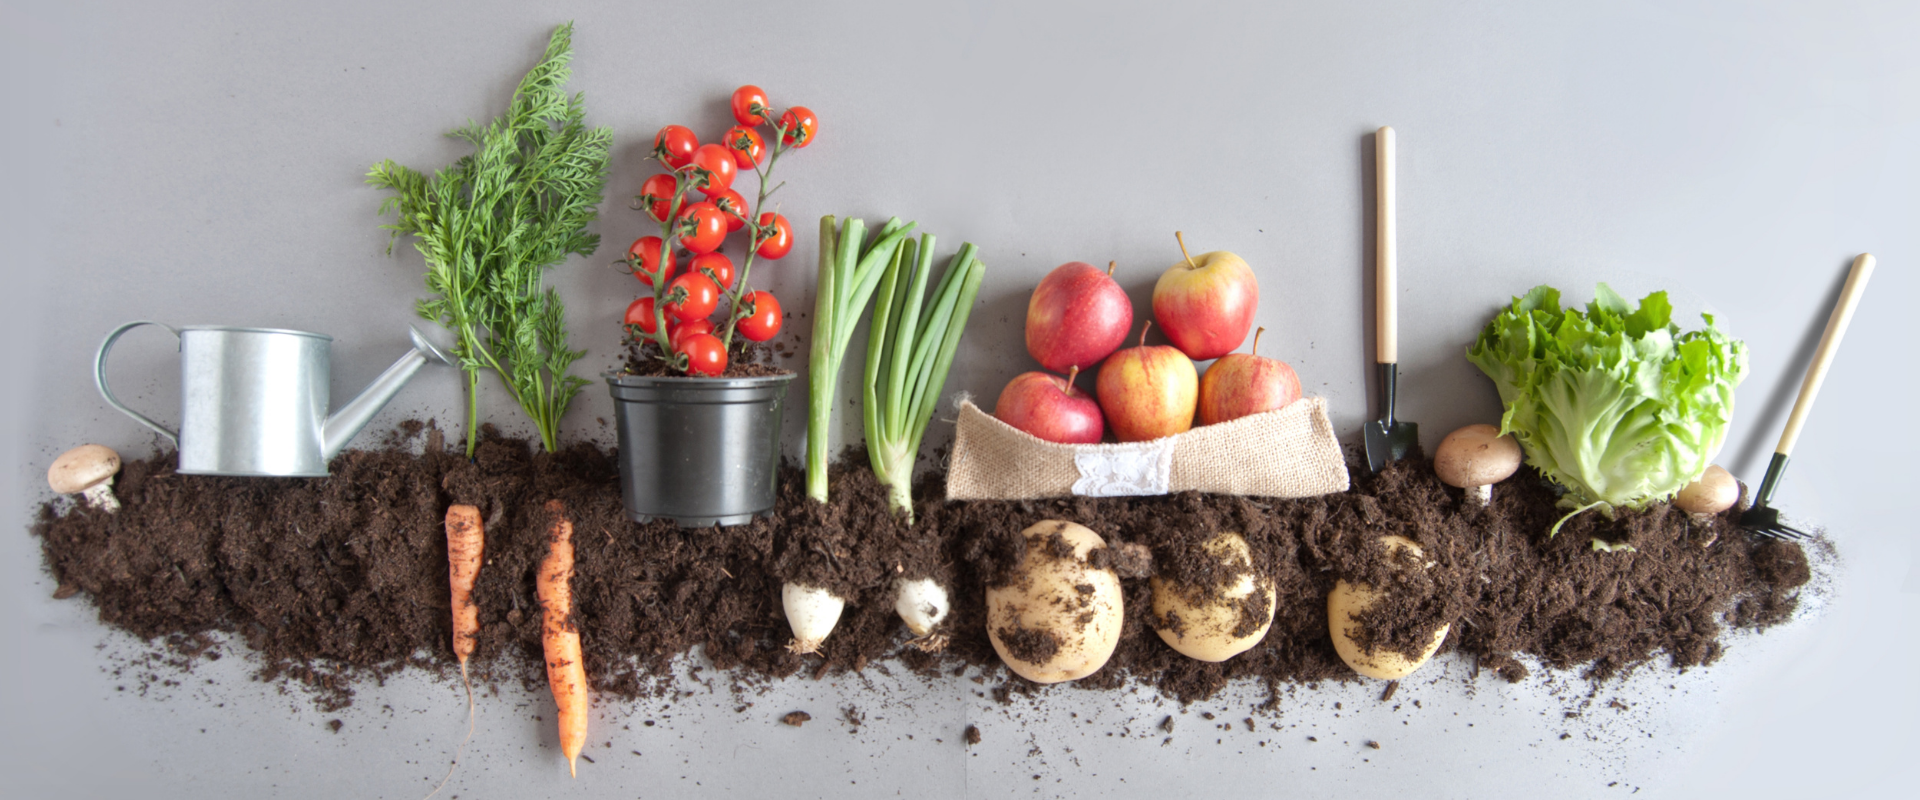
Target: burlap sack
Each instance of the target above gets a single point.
(1287, 452)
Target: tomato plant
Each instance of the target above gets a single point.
(643, 257)
(674, 145)
(703, 227)
(763, 321)
(717, 160)
(705, 354)
(777, 236)
(800, 124)
(718, 263)
(747, 147)
(692, 296)
(640, 315)
(750, 105)
(734, 206)
(695, 226)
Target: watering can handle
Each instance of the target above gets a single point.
(100, 378)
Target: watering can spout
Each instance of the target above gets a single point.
(346, 423)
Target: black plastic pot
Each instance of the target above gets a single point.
(698, 451)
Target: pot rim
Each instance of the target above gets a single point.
(619, 378)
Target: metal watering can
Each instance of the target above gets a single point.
(254, 400)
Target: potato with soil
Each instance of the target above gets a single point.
(1349, 602)
(1059, 617)
(1216, 620)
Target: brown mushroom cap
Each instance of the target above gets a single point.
(82, 468)
(1476, 455)
(1714, 492)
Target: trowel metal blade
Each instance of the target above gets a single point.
(1389, 443)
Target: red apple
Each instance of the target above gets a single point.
(1241, 384)
(1147, 392)
(1206, 304)
(1078, 315)
(1051, 408)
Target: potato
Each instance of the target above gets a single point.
(1348, 601)
(1200, 621)
(1060, 618)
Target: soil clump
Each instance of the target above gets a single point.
(334, 580)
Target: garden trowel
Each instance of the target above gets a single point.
(1388, 438)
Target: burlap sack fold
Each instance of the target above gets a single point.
(1287, 452)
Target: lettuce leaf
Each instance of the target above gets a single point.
(1617, 405)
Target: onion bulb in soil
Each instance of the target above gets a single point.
(812, 612)
(922, 603)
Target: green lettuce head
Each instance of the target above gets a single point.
(1617, 404)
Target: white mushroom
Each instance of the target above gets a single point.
(1475, 458)
(1714, 492)
(88, 469)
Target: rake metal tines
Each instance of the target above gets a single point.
(1764, 520)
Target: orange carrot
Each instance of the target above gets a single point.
(560, 637)
(465, 541)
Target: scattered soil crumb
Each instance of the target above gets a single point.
(1392, 686)
(1167, 724)
(972, 735)
(796, 718)
(1373, 744)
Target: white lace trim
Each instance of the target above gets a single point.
(1123, 470)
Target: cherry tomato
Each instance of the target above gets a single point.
(718, 262)
(704, 227)
(764, 322)
(746, 145)
(646, 252)
(705, 354)
(682, 330)
(640, 315)
(657, 195)
(776, 243)
(678, 144)
(702, 296)
(717, 160)
(801, 125)
(745, 99)
(734, 206)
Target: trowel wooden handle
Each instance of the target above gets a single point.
(1385, 287)
(1829, 343)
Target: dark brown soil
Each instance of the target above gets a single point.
(745, 359)
(336, 579)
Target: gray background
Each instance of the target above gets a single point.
(202, 163)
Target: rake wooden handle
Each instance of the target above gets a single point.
(1385, 287)
(1829, 343)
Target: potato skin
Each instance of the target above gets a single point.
(1208, 619)
(1349, 600)
(1063, 615)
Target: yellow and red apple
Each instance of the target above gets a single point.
(1205, 304)
(1147, 392)
(1242, 384)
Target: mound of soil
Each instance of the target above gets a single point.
(335, 579)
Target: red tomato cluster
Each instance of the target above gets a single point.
(698, 226)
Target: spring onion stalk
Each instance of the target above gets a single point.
(910, 348)
(850, 271)
(849, 274)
